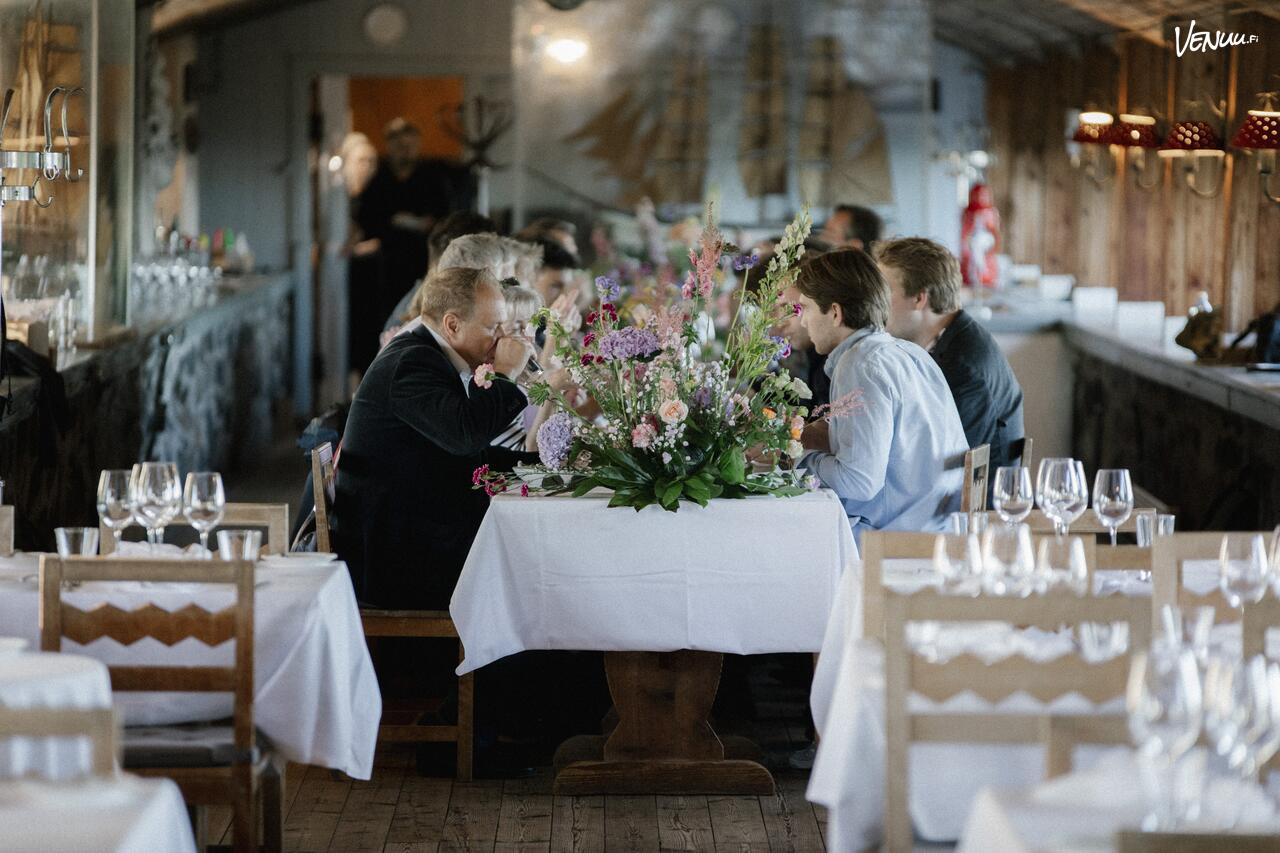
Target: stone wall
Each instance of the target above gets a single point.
(1217, 469)
(199, 393)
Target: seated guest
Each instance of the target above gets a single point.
(558, 273)
(457, 224)
(559, 231)
(405, 512)
(924, 287)
(894, 448)
(851, 226)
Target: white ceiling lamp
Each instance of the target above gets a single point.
(386, 24)
(566, 51)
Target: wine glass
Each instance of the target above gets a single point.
(115, 503)
(1165, 708)
(1011, 494)
(1008, 561)
(1055, 491)
(1062, 562)
(1079, 495)
(1112, 498)
(157, 496)
(1243, 570)
(203, 503)
(958, 560)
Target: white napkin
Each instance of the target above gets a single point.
(164, 549)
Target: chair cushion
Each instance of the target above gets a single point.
(186, 745)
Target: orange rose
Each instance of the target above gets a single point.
(768, 413)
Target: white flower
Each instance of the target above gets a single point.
(666, 458)
(795, 449)
(672, 411)
(800, 389)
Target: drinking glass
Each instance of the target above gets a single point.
(239, 544)
(1008, 561)
(115, 504)
(1079, 495)
(1056, 491)
(1060, 562)
(1011, 494)
(1187, 629)
(1165, 708)
(964, 523)
(76, 541)
(204, 502)
(958, 560)
(1112, 498)
(1240, 712)
(158, 497)
(1243, 570)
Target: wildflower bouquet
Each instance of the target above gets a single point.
(673, 426)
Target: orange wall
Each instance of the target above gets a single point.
(377, 100)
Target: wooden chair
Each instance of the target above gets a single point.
(1133, 841)
(210, 764)
(418, 624)
(6, 531)
(1168, 553)
(99, 725)
(977, 471)
(905, 673)
(274, 518)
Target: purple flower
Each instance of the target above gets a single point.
(784, 348)
(746, 262)
(555, 437)
(702, 398)
(627, 342)
(608, 288)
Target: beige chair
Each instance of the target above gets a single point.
(1258, 619)
(99, 725)
(1168, 554)
(6, 531)
(211, 764)
(907, 673)
(977, 471)
(419, 624)
(273, 518)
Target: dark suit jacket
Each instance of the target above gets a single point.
(986, 392)
(405, 511)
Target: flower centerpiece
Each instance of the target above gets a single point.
(673, 426)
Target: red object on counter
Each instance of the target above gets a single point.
(979, 238)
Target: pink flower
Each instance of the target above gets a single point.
(587, 360)
(797, 308)
(849, 404)
(643, 435)
(484, 375)
(479, 474)
(672, 411)
(668, 386)
(524, 490)
(797, 422)
(588, 339)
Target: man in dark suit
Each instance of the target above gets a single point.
(924, 290)
(405, 513)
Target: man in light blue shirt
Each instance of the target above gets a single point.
(896, 455)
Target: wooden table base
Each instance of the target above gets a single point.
(663, 742)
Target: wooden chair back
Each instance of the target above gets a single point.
(1258, 619)
(6, 531)
(907, 673)
(322, 490)
(274, 518)
(977, 470)
(99, 725)
(58, 619)
(1168, 554)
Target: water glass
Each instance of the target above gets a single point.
(76, 541)
(958, 561)
(204, 502)
(1165, 708)
(1008, 561)
(239, 544)
(1011, 494)
(157, 495)
(1244, 572)
(1187, 629)
(965, 523)
(1150, 525)
(1112, 498)
(115, 503)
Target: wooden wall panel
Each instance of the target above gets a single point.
(1062, 189)
(1098, 203)
(1140, 271)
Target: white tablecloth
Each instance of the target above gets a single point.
(44, 680)
(124, 814)
(315, 693)
(740, 576)
(847, 701)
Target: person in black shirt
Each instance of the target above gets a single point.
(924, 284)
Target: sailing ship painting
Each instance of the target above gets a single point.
(656, 146)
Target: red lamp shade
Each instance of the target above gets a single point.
(1134, 131)
(1191, 136)
(1261, 130)
(1095, 128)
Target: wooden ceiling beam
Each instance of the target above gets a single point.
(170, 17)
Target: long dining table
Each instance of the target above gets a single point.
(316, 696)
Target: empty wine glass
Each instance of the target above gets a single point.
(1165, 707)
(158, 497)
(1079, 495)
(203, 503)
(1243, 570)
(115, 503)
(1240, 712)
(1061, 562)
(1112, 498)
(1056, 491)
(1187, 629)
(1008, 561)
(958, 560)
(1011, 494)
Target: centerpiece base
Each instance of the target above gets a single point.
(663, 742)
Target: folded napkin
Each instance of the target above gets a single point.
(164, 549)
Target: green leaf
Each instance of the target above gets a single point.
(671, 494)
(733, 466)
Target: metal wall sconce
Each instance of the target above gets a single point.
(1136, 134)
(1196, 147)
(1093, 134)
(1259, 136)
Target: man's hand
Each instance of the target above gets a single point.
(817, 436)
(566, 310)
(511, 356)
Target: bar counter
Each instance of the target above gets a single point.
(201, 392)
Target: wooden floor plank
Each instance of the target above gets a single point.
(577, 825)
(737, 821)
(525, 815)
(630, 824)
(421, 810)
(472, 822)
(366, 816)
(313, 818)
(684, 824)
(411, 847)
(789, 819)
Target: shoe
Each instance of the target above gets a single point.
(802, 759)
